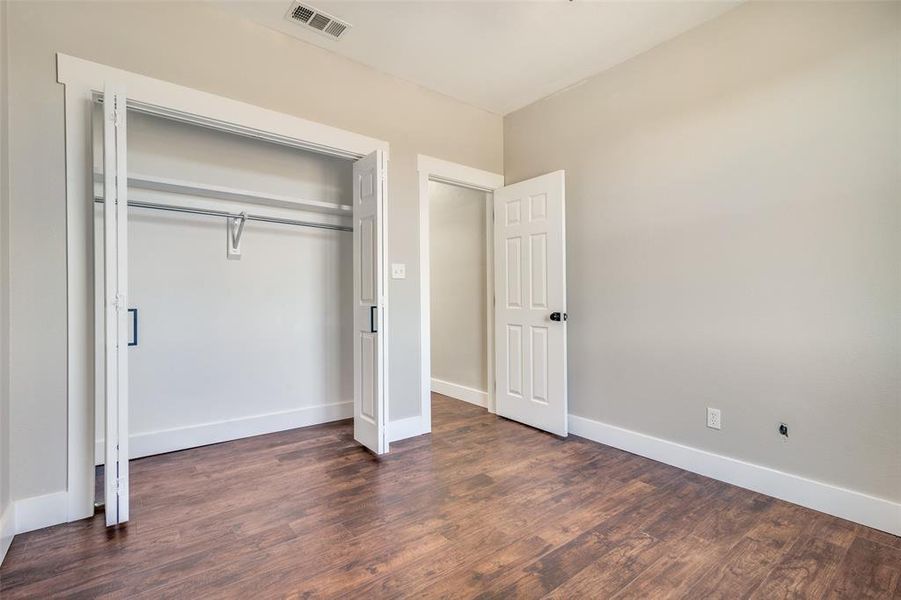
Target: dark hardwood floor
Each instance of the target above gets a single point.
(482, 507)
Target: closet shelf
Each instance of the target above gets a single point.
(180, 186)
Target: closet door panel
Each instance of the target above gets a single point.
(115, 302)
(370, 412)
(530, 313)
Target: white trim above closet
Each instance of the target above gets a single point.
(179, 103)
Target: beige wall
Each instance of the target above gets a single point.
(198, 46)
(734, 237)
(4, 275)
(458, 285)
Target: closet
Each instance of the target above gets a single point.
(238, 285)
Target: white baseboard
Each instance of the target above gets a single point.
(460, 392)
(7, 529)
(405, 428)
(192, 436)
(871, 511)
(38, 512)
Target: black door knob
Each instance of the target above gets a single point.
(555, 316)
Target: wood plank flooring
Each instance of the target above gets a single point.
(481, 508)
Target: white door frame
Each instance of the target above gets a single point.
(435, 169)
(83, 79)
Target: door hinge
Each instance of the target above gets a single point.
(117, 114)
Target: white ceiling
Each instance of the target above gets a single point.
(499, 56)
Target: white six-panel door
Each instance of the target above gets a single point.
(530, 294)
(370, 411)
(115, 303)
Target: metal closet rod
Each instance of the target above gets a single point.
(228, 215)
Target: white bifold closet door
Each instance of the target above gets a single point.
(370, 410)
(115, 306)
(530, 302)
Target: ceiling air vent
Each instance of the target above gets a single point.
(317, 20)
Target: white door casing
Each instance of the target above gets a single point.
(530, 286)
(115, 300)
(370, 407)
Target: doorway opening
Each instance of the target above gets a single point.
(461, 198)
(461, 292)
(525, 272)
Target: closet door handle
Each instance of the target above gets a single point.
(373, 326)
(133, 340)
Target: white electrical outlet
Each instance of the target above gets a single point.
(398, 271)
(714, 419)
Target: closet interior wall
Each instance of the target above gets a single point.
(229, 348)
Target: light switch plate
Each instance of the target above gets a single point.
(398, 271)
